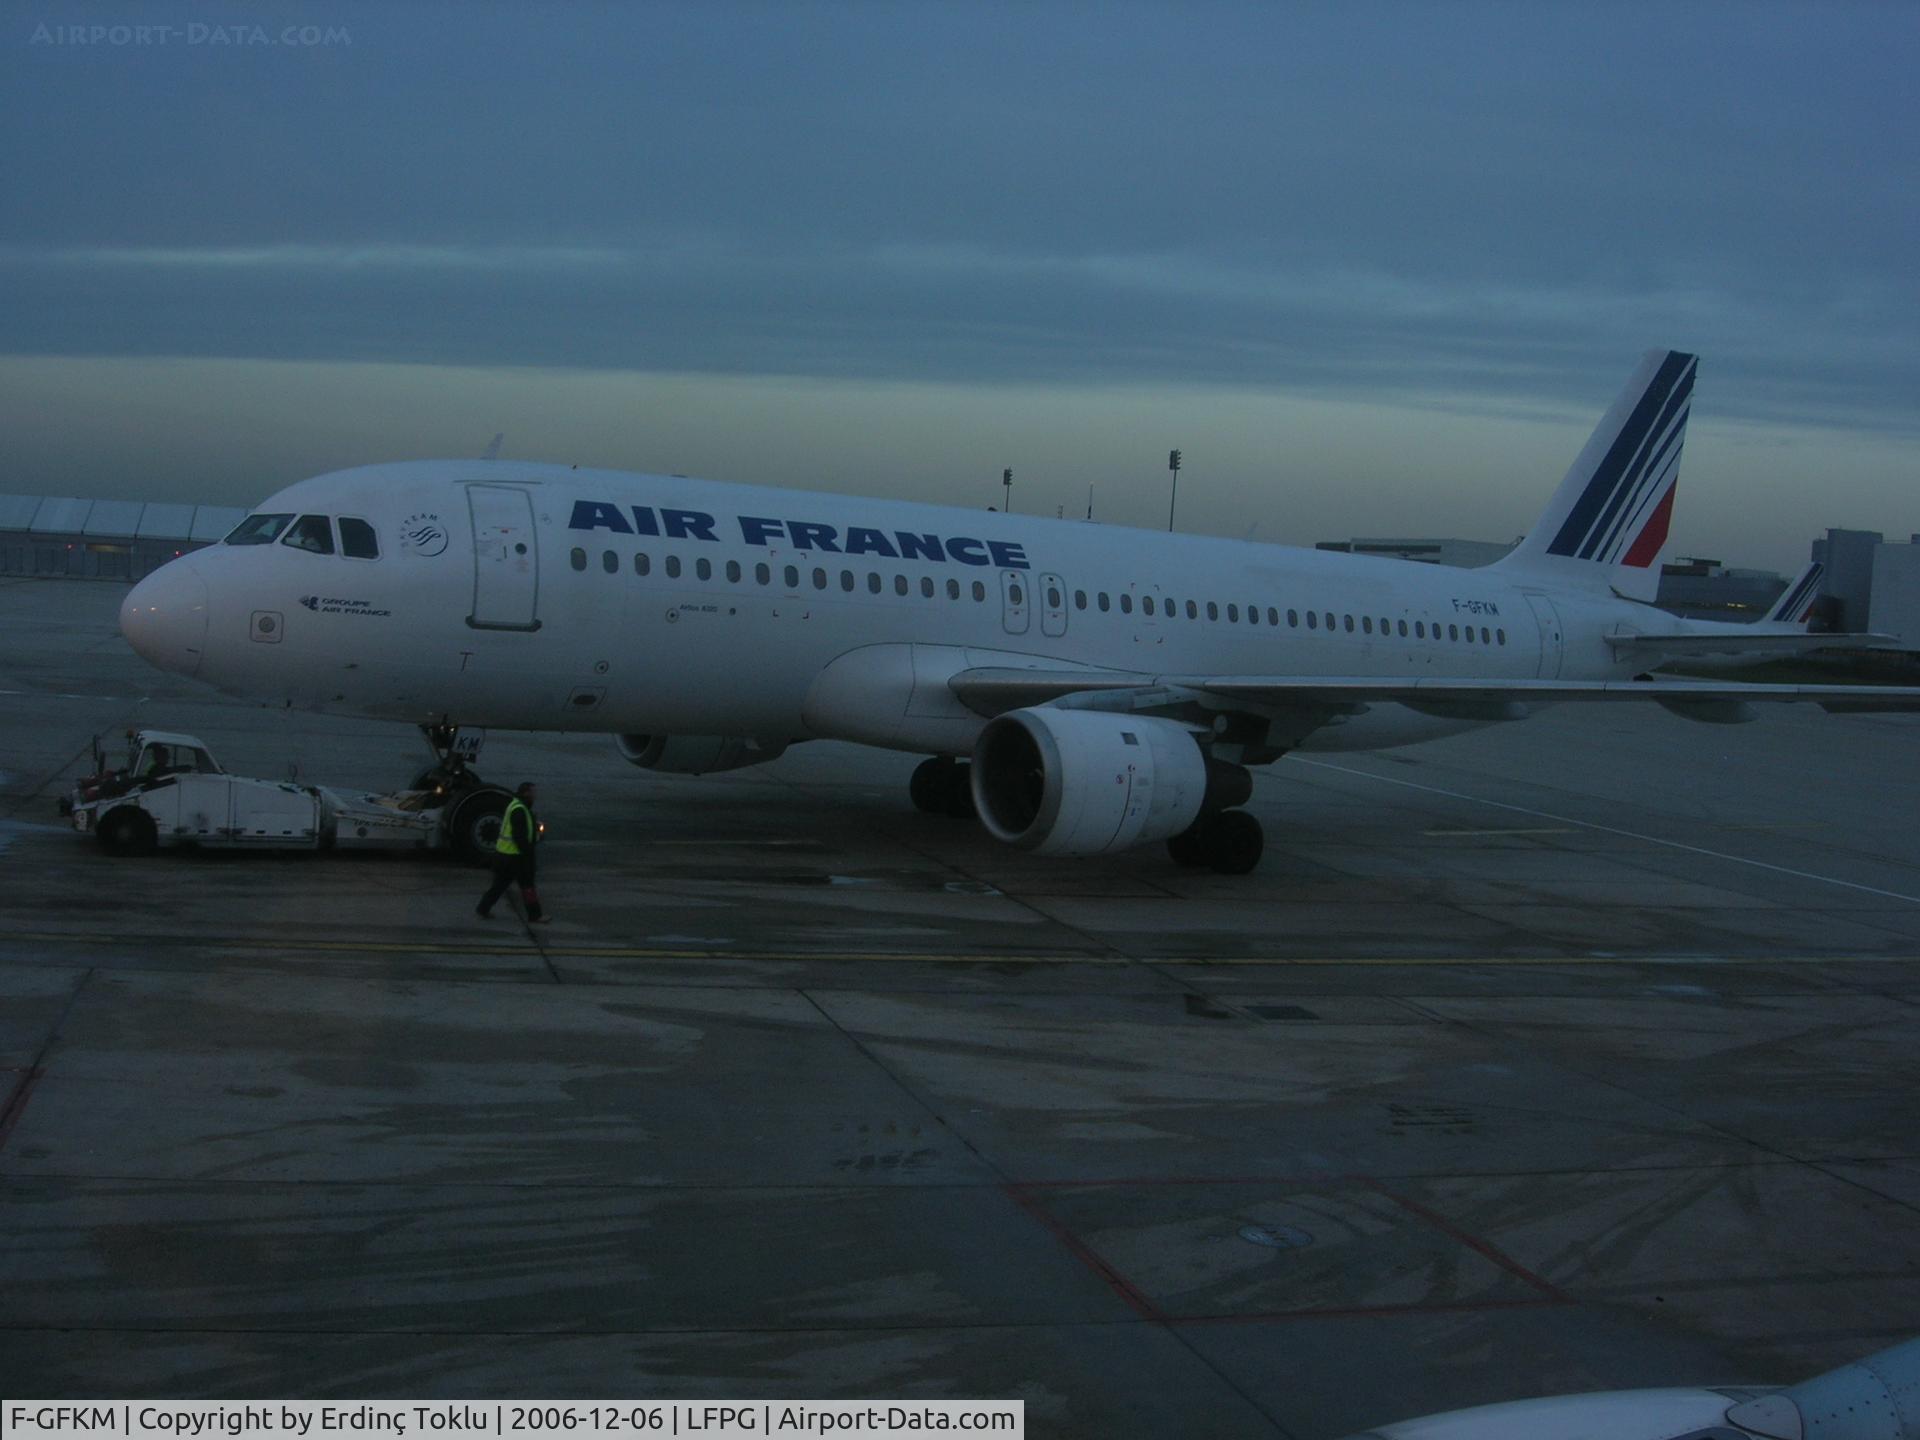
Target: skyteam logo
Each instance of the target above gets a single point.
(423, 534)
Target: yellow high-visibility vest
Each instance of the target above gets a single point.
(506, 845)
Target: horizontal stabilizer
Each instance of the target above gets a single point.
(1748, 646)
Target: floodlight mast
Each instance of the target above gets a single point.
(1173, 464)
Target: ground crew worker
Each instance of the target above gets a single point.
(513, 857)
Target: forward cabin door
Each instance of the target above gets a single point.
(506, 559)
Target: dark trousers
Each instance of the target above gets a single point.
(512, 870)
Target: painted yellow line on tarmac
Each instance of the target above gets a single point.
(902, 957)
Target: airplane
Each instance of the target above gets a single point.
(1876, 1398)
(1082, 688)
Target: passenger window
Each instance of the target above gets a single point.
(733, 570)
(846, 580)
(1079, 599)
(1015, 595)
(926, 587)
(673, 567)
(979, 590)
(312, 533)
(1501, 636)
(1293, 619)
(609, 562)
(953, 589)
(792, 576)
(703, 568)
(763, 573)
(1313, 621)
(1366, 624)
(1419, 629)
(357, 540)
(1126, 604)
(641, 565)
(1213, 610)
(1193, 611)
(1453, 632)
(258, 530)
(1233, 614)
(1053, 597)
(819, 578)
(1485, 639)
(1403, 629)
(1105, 603)
(578, 557)
(1146, 604)
(899, 584)
(1253, 614)
(1329, 618)
(873, 582)
(1273, 616)
(1349, 620)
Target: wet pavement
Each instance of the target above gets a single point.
(1567, 1055)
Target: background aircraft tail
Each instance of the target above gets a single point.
(1607, 523)
(1796, 602)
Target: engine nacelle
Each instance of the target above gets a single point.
(1087, 782)
(696, 754)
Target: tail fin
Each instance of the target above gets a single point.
(1796, 602)
(1607, 523)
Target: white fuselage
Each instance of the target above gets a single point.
(541, 597)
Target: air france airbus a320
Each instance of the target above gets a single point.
(1082, 688)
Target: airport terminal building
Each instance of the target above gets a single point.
(50, 535)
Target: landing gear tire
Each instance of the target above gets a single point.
(1185, 848)
(474, 826)
(928, 788)
(127, 831)
(943, 786)
(1232, 842)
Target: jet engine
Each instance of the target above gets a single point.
(696, 754)
(1090, 782)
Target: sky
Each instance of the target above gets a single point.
(1376, 269)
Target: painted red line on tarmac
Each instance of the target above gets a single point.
(1472, 1242)
(1077, 1248)
(17, 1102)
(1347, 1312)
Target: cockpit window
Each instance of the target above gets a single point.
(311, 532)
(357, 539)
(258, 530)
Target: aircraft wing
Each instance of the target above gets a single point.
(1797, 642)
(990, 691)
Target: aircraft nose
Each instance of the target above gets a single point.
(164, 617)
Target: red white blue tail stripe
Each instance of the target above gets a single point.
(1796, 602)
(1622, 516)
(1607, 523)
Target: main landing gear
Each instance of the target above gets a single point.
(1229, 841)
(943, 786)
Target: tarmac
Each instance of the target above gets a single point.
(1567, 1055)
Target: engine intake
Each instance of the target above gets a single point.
(1090, 782)
(696, 754)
